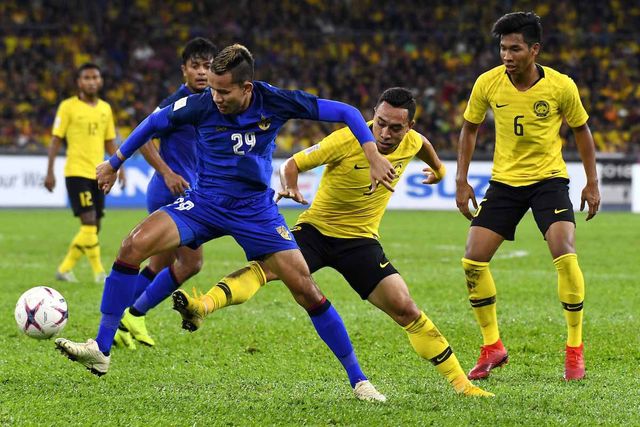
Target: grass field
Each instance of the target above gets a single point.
(262, 363)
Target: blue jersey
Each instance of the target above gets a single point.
(178, 150)
(178, 146)
(235, 151)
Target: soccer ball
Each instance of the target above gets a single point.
(41, 312)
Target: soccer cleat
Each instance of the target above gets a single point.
(124, 339)
(137, 327)
(67, 276)
(87, 354)
(463, 386)
(491, 356)
(574, 363)
(364, 390)
(100, 277)
(192, 309)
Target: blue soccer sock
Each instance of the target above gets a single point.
(160, 288)
(117, 295)
(331, 329)
(145, 277)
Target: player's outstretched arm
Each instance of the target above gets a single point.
(50, 178)
(381, 169)
(289, 182)
(587, 150)
(174, 182)
(156, 122)
(466, 146)
(436, 170)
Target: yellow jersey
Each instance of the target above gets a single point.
(340, 208)
(85, 127)
(527, 123)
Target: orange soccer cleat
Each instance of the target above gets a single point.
(574, 363)
(491, 356)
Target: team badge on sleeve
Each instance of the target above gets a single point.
(179, 103)
(284, 232)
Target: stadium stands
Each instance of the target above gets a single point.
(337, 49)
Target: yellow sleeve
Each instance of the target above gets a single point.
(110, 131)
(61, 122)
(571, 105)
(331, 149)
(478, 103)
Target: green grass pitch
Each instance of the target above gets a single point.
(262, 363)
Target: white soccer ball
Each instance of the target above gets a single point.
(41, 312)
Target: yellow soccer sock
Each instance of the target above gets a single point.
(482, 296)
(74, 253)
(235, 288)
(430, 344)
(91, 246)
(571, 293)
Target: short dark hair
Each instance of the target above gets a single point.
(87, 66)
(526, 23)
(235, 59)
(198, 48)
(399, 97)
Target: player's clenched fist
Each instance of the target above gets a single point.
(106, 176)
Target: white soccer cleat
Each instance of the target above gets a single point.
(66, 277)
(87, 354)
(364, 390)
(100, 277)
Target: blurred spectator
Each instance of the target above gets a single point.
(337, 49)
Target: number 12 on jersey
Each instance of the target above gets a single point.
(248, 139)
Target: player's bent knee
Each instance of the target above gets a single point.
(405, 314)
(479, 280)
(193, 266)
(134, 249)
(305, 292)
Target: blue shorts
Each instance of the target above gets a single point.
(158, 194)
(254, 222)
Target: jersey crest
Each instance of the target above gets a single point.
(284, 232)
(541, 108)
(264, 122)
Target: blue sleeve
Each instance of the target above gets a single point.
(288, 104)
(334, 111)
(155, 122)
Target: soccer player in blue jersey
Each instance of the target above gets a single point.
(236, 120)
(175, 163)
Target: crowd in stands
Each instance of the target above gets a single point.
(340, 49)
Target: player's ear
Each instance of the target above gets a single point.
(411, 123)
(247, 87)
(535, 48)
(183, 67)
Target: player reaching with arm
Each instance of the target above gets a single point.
(529, 102)
(237, 121)
(175, 165)
(340, 230)
(86, 123)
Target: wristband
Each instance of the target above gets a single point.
(115, 161)
(441, 172)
